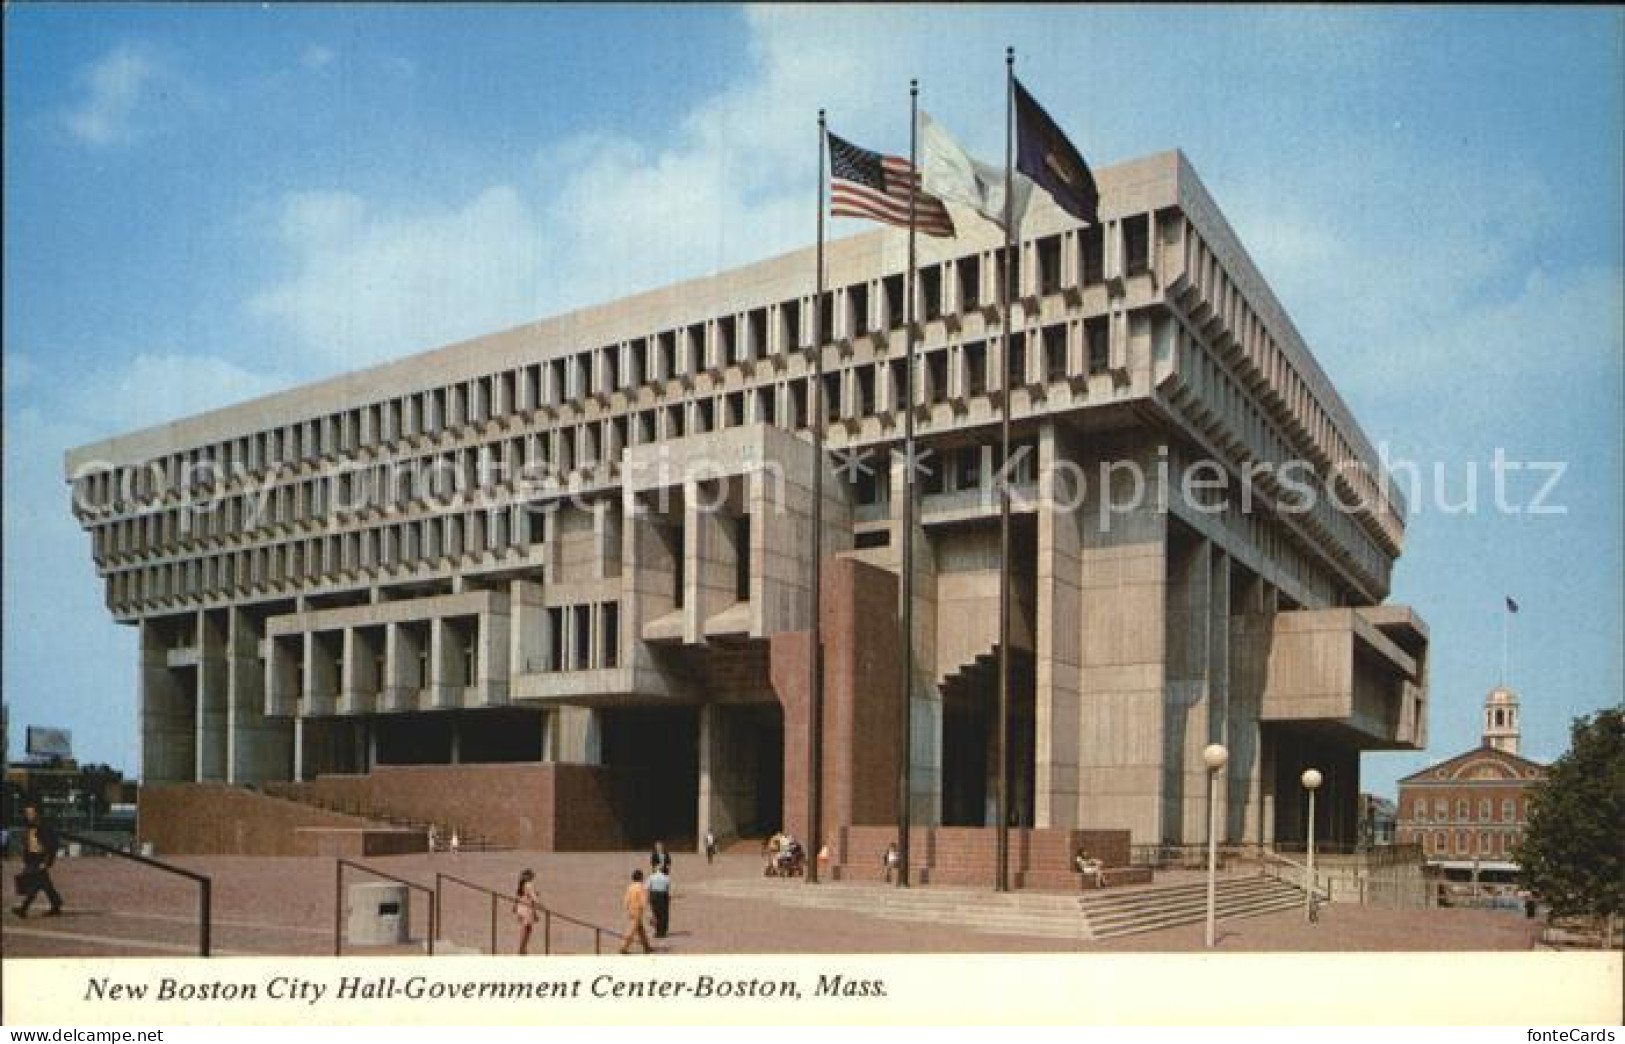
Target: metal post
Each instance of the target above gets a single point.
(1001, 880)
(1214, 756)
(493, 926)
(1309, 891)
(905, 747)
(205, 927)
(815, 655)
(338, 909)
(547, 931)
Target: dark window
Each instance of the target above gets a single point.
(1049, 264)
(790, 316)
(931, 290)
(968, 460)
(555, 639)
(675, 545)
(832, 396)
(936, 365)
(970, 283)
(1018, 360)
(1093, 246)
(866, 391)
(878, 538)
(857, 300)
(1054, 353)
(612, 634)
(976, 368)
(742, 558)
(1137, 244)
(1095, 331)
(893, 286)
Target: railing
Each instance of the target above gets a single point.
(338, 901)
(548, 915)
(205, 895)
(1296, 874)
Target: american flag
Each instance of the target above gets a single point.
(866, 184)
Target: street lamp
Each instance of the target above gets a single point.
(1214, 756)
(1311, 782)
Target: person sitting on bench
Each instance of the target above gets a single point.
(1089, 867)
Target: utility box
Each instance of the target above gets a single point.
(380, 915)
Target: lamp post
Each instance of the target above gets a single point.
(1311, 782)
(1214, 756)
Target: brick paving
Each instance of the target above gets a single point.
(284, 906)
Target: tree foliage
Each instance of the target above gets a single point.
(1573, 851)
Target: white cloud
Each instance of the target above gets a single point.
(154, 387)
(114, 88)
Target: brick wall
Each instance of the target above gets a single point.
(215, 819)
(862, 653)
(967, 856)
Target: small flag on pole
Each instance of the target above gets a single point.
(1512, 606)
(951, 174)
(866, 184)
(1045, 154)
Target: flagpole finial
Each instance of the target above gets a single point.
(914, 87)
(1009, 56)
(820, 117)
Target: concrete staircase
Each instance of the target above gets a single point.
(1098, 915)
(468, 840)
(1131, 911)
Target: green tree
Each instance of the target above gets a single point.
(1573, 852)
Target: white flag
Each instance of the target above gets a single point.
(948, 172)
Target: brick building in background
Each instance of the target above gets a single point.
(577, 551)
(1468, 813)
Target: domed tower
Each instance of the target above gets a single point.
(1501, 729)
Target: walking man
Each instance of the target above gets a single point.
(39, 853)
(710, 848)
(660, 900)
(637, 904)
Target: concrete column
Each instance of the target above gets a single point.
(168, 729)
(578, 736)
(211, 698)
(708, 560)
(527, 627)
(1187, 724)
(1122, 591)
(298, 748)
(491, 643)
(258, 748)
(1251, 775)
(727, 774)
(1058, 802)
(925, 715)
(443, 691)
(399, 685)
(358, 689)
(321, 678)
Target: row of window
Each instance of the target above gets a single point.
(955, 286)
(856, 391)
(1512, 810)
(1482, 844)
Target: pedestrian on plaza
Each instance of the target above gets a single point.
(660, 901)
(892, 860)
(710, 848)
(40, 846)
(659, 858)
(433, 839)
(636, 901)
(525, 907)
(456, 843)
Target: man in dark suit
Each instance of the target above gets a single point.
(39, 853)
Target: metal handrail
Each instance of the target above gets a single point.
(338, 901)
(205, 897)
(547, 914)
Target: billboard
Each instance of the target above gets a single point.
(50, 743)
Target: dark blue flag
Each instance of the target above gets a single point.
(1044, 154)
(1511, 605)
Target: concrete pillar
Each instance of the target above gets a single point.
(579, 741)
(1252, 765)
(298, 748)
(527, 627)
(708, 559)
(168, 729)
(1187, 724)
(211, 697)
(925, 715)
(443, 651)
(358, 689)
(492, 641)
(1122, 592)
(258, 748)
(728, 770)
(1058, 802)
(321, 677)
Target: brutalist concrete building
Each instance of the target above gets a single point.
(554, 582)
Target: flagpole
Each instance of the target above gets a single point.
(1007, 288)
(1506, 640)
(815, 655)
(905, 767)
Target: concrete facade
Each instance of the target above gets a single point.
(584, 541)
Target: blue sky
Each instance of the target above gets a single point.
(207, 203)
